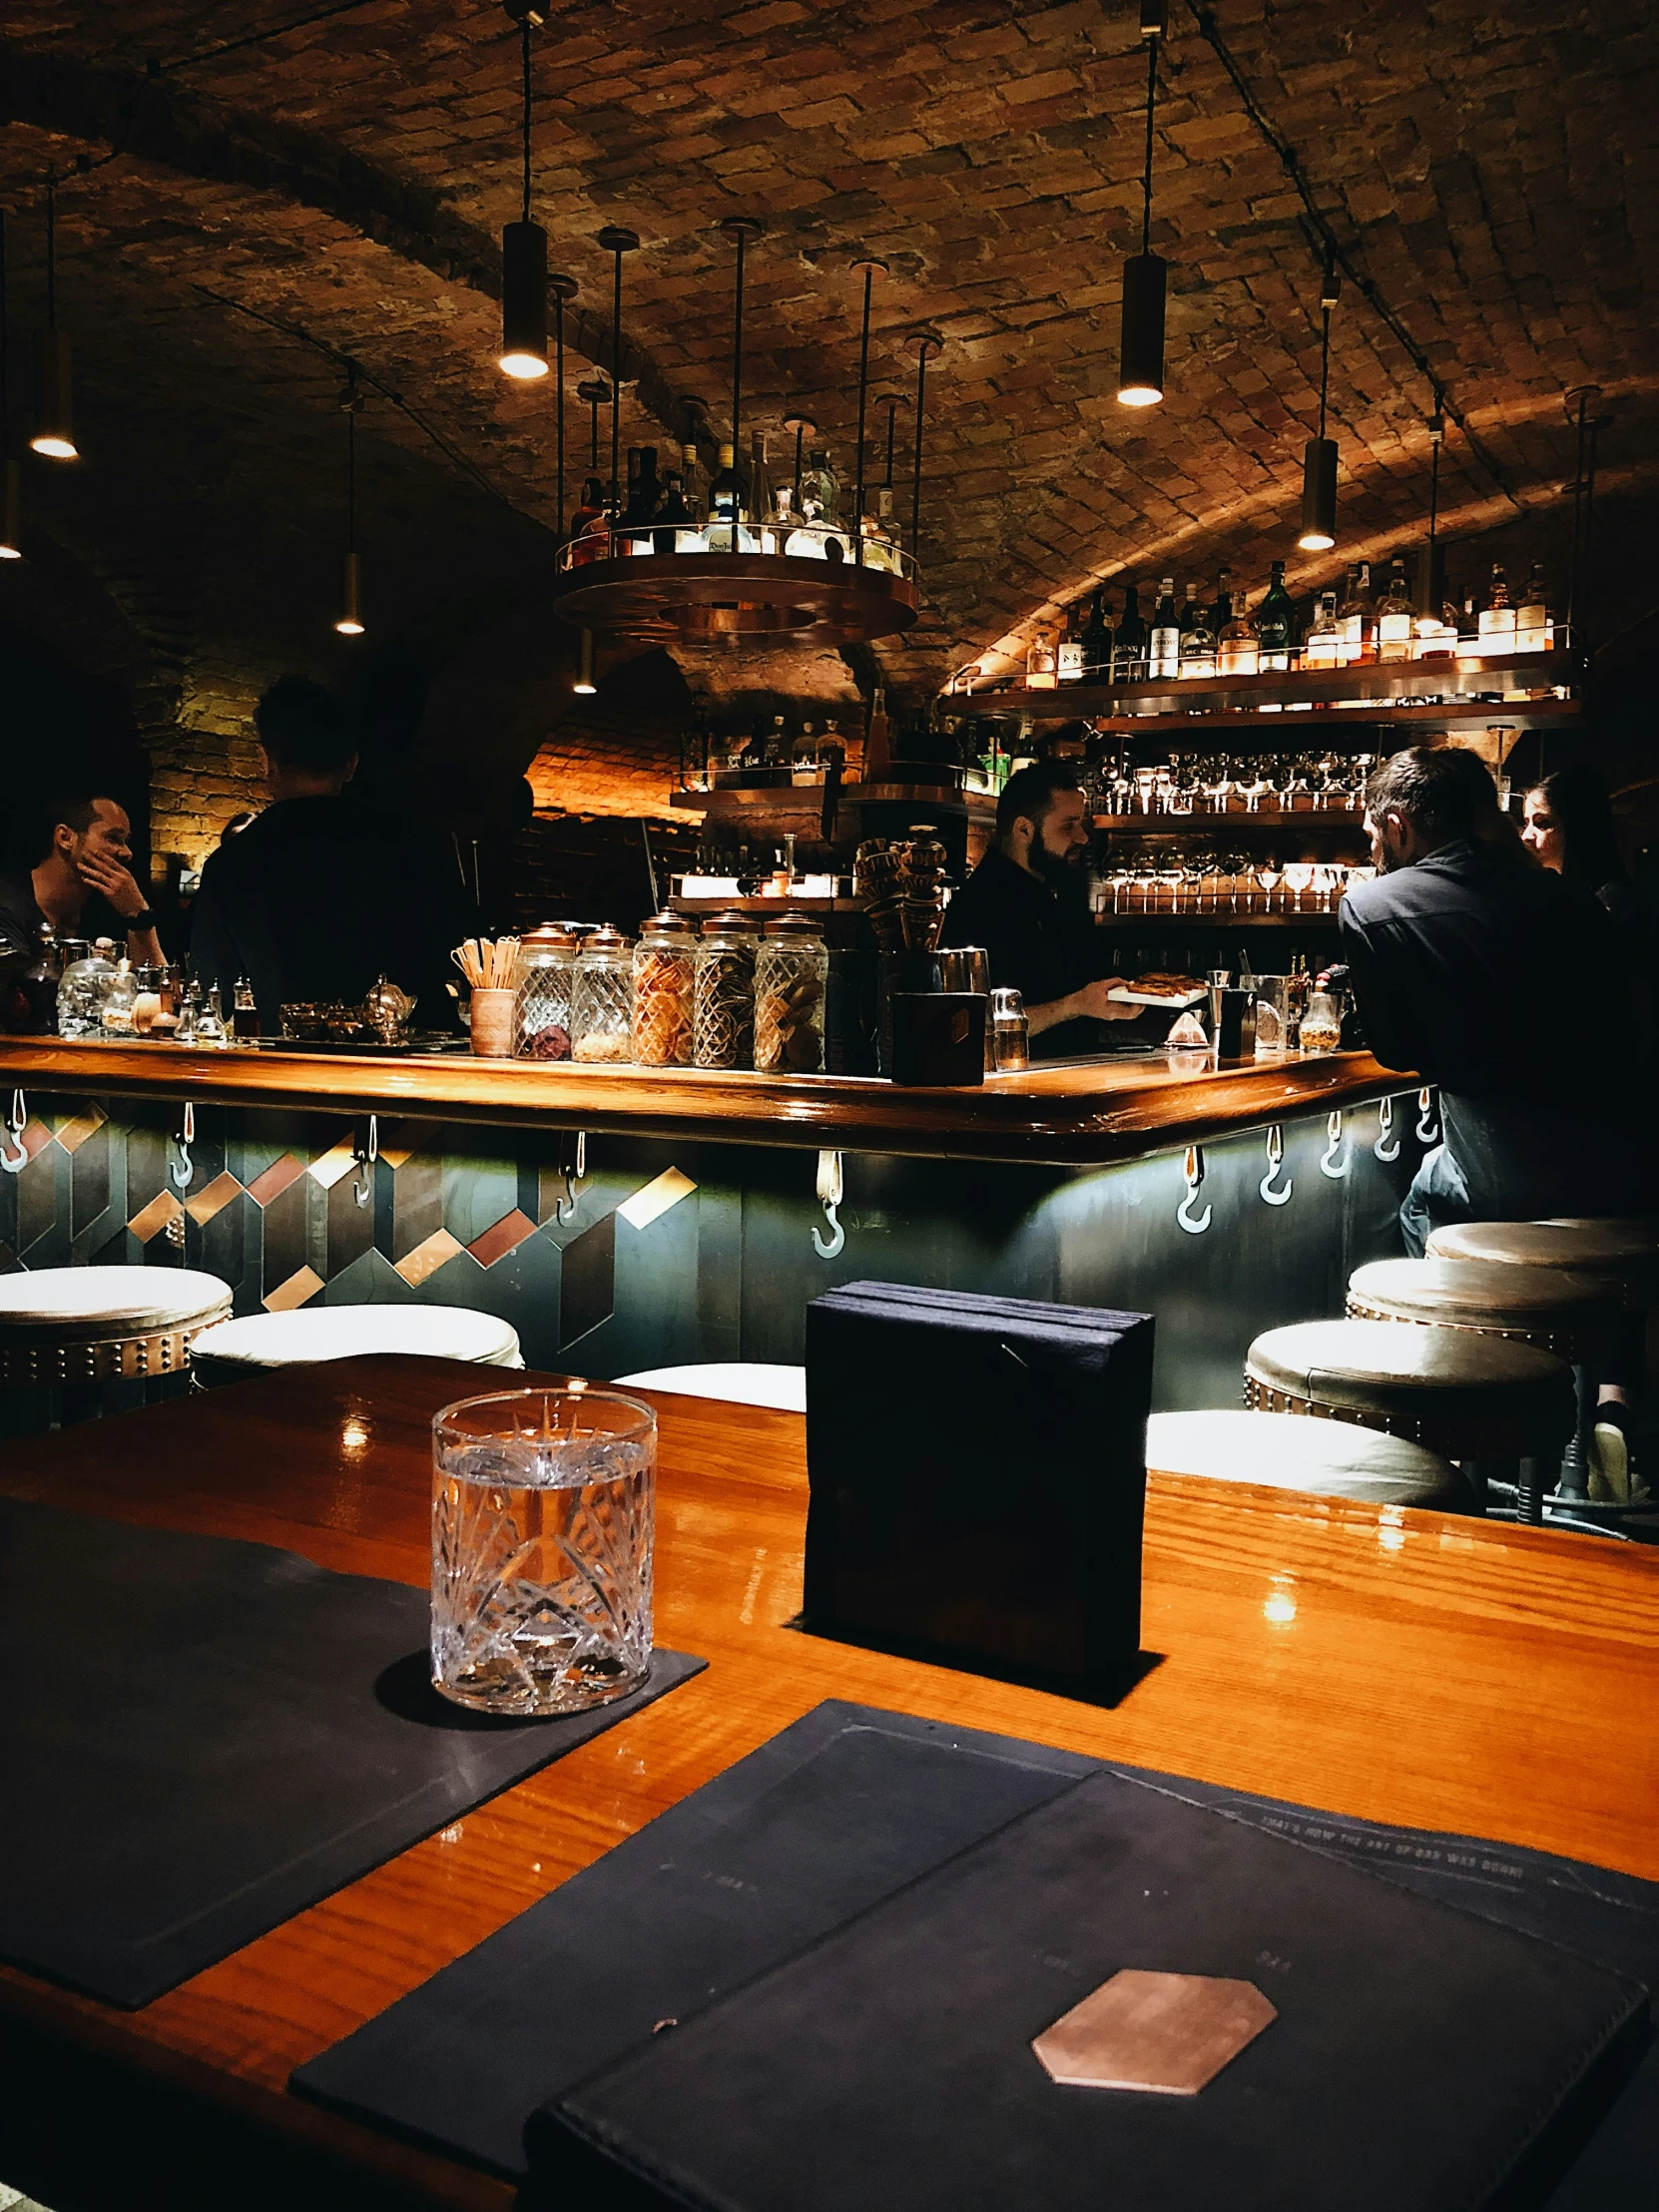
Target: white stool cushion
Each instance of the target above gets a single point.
(742, 1382)
(256, 1340)
(132, 1298)
(1287, 1452)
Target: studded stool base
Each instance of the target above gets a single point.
(66, 1327)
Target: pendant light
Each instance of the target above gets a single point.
(54, 415)
(584, 683)
(523, 352)
(350, 622)
(804, 427)
(1145, 274)
(11, 486)
(739, 228)
(1319, 458)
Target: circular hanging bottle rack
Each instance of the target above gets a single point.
(629, 580)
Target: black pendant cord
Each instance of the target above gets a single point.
(800, 441)
(1325, 364)
(915, 474)
(51, 248)
(593, 436)
(5, 353)
(737, 356)
(525, 29)
(892, 417)
(1436, 434)
(1146, 182)
(559, 409)
(864, 391)
(616, 392)
(351, 462)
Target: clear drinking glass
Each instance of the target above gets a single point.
(543, 1505)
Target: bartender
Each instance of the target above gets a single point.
(1027, 904)
(317, 897)
(1473, 967)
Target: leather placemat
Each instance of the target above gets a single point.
(831, 1815)
(200, 1737)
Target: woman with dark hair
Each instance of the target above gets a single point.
(1569, 830)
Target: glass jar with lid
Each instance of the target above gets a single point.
(87, 969)
(665, 992)
(602, 999)
(116, 1002)
(543, 976)
(723, 1033)
(792, 974)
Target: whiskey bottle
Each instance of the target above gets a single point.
(1238, 652)
(1165, 654)
(1322, 648)
(1097, 641)
(1197, 638)
(1069, 661)
(691, 481)
(760, 502)
(1042, 671)
(1497, 622)
(1221, 613)
(877, 760)
(1130, 642)
(1356, 619)
(1533, 628)
(1393, 618)
(1276, 624)
(725, 505)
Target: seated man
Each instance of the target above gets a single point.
(1026, 904)
(1498, 982)
(315, 898)
(81, 885)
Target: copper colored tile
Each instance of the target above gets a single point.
(150, 1220)
(304, 1283)
(276, 1178)
(73, 1134)
(428, 1256)
(337, 1161)
(505, 1236)
(1170, 2032)
(211, 1198)
(35, 1139)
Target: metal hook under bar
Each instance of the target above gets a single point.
(14, 1162)
(1383, 1149)
(1428, 1128)
(183, 1170)
(565, 1208)
(1194, 1172)
(366, 1152)
(830, 1190)
(1276, 1158)
(1333, 1132)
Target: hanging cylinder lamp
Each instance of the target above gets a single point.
(523, 353)
(54, 432)
(1319, 457)
(584, 683)
(1145, 274)
(350, 621)
(11, 476)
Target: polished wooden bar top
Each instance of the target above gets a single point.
(1073, 1113)
(1390, 1664)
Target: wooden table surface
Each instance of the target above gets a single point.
(1394, 1665)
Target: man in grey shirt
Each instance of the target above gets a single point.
(81, 883)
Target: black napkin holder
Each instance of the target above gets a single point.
(977, 1469)
(939, 1037)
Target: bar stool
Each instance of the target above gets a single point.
(738, 1382)
(1578, 1318)
(77, 1330)
(1464, 1395)
(1283, 1452)
(255, 1342)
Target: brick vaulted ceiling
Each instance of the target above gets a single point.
(1495, 173)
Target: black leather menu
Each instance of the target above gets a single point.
(1420, 2058)
(978, 1473)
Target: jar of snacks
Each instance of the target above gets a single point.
(665, 992)
(723, 1032)
(602, 1001)
(544, 975)
(791, 972)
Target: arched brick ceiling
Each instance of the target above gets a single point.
(1494, 175)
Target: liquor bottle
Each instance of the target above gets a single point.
(1097, 641)
(1165, 656)
(1069, 661)
(1197, 638)
(725, 505)
(1041, 673)
(1356, 619)
(244, 1012)
(1276, 624)
(777, 748)
(1533, 627)
(1238, 652)
(1130, 645)
(587, 526)
(1322, 645)
(1221, 613)
(759, 501)
(1393, 617)
(676, 528)
(877, 756)
(691, 481)
(1495, 624)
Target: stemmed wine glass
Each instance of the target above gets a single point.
(1269, 877)
(1299, 875)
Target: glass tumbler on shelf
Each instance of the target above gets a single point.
(543, 1507)
(723, 1034)
(602, 999)
(543, 976)
(664, 973)
(791, 975)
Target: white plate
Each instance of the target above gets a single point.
(1127, 997)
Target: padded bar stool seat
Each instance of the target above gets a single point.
(1625, 1252)
(65, 1327)
(1462, 1394)
(738, 1382)
(1573, 1315)
(255, 1343)
(1281, 1451)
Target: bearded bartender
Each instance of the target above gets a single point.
(1027, 904)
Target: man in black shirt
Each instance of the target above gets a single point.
(1025, 903)
(315, 898)
(79, 884)
(1473, 967)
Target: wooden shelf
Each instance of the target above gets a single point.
(1351, 821)
(779, 800)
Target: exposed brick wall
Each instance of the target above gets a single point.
(570, 868)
